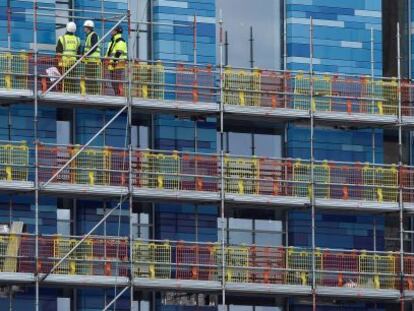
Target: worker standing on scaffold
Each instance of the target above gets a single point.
(67, 50)
(117, 53)
(92, 59)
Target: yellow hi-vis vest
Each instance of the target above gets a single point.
(117, 44)
(95, 56)
(70, 45)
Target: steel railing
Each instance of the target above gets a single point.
(179, 260)
(187, 171)
(199, 83)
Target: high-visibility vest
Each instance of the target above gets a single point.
(70, 45)
(117, 44)
(94, 57)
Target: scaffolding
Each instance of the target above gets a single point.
(129, 173)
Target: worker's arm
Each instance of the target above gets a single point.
(94, 40)
(59, 47)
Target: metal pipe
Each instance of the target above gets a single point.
(116, 298)
(226, 49)
(9, 24)
(130, 177)
(312, 159)
(251, 42)
(41, 279)
(372, 91)
(195, 39)
(400, 158)
(36, 145)
(222, 188)
(84, 146)
(284, 36)
(83, 56)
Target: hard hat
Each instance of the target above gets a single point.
(89, 23)
(71, 27)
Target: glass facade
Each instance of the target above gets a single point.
(341, 35)
(347, 38)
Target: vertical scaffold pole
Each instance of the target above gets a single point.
(222, 188)
(400, 160)
(372, 91)
(130, 178)
(312, 159)
(9, 11)
(195, 40)
(36, 155)
(284, 36)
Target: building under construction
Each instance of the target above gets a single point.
(249, 157)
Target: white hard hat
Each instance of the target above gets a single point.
(89, 23)
(71, 27)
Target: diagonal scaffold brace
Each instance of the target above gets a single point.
(43, 277)
(84, 147)
(116, 298)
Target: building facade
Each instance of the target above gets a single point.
(255, 164)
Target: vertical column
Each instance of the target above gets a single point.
(36, 155)
(312, 159)
(400, 158)
(372, 91)
(222, 182)
(129, 137)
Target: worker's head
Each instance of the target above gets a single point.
(116, 30)
(71, 27)
(88, 26)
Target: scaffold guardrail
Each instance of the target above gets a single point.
(179, 260)
(199, 83)
(187, 171)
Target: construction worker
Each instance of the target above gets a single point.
(67, 50)
(117, 53)
(92, 59)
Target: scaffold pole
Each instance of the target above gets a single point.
(222, 179)
(312, 160)
(36, 155)
(130, 177)
(400, 163)
(372, 90)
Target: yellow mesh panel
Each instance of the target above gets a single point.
(160, 170)
(322, 174)
(385, 97)
(4, 242)
(377, 271)
(62, 246)
(84, 257)
(14, 161)
(299, 265)
(148, 80)
(92, 166)
(241, 175)
(236, 264)
(381, 184)
(151, 260)
(14, 70)
(301, 178)
(242, 87)
(322, 92)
